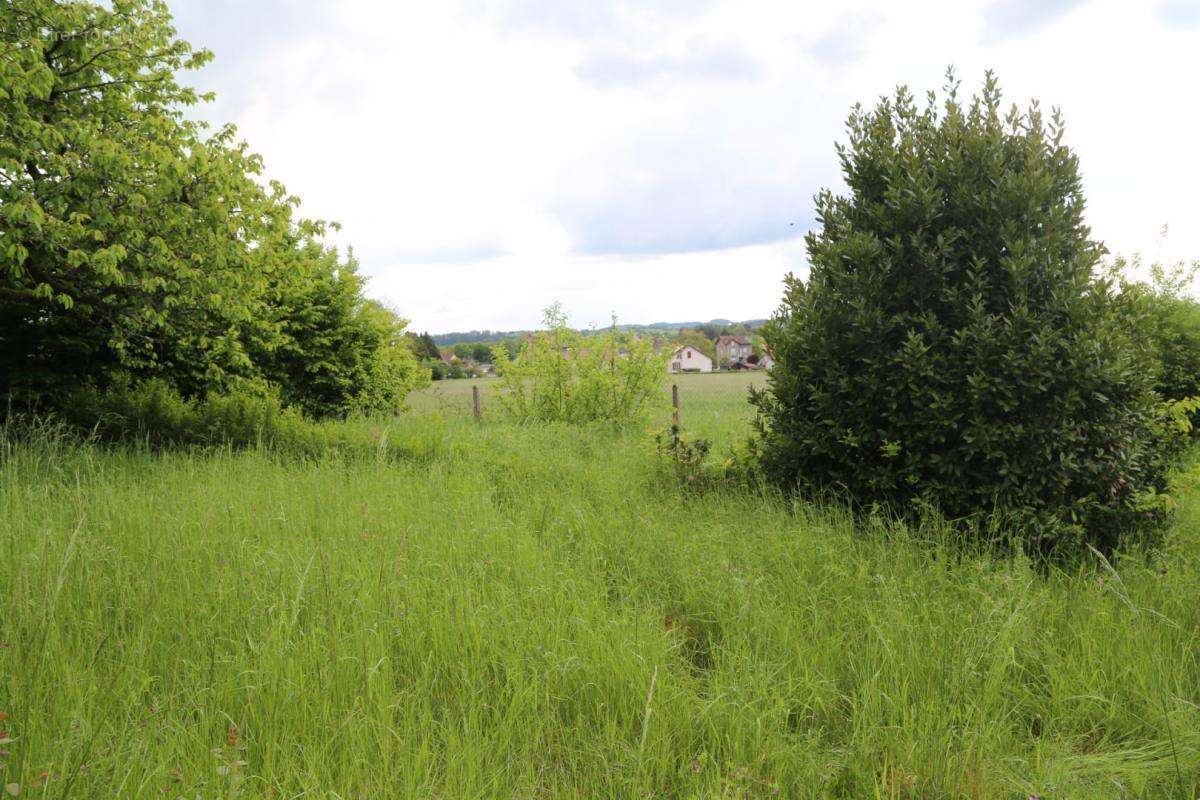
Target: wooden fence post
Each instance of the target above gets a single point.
(675, 403)
(475, 402)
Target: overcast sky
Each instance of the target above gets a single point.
(658, 158)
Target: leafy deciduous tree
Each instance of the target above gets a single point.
(697, 339)
(132, 241)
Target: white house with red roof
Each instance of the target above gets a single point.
(689, 359)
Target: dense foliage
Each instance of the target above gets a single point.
(153, 412)
(696, 338)
(478, 352)
(337, 350)
(1178, 347)
(953, 347)
(134, 242)
(424, 347)
(1159, 302)
(562, 376)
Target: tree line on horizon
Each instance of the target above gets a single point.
(479, 347)
(712, 329)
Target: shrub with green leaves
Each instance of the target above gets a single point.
(559, 375)
(687, 456)
(153, 411)
(953, 347)
(336, 352)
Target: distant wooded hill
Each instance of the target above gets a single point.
(663, 328)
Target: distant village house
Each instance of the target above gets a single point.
(733, 351)
(689, 359)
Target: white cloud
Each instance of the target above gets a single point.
(1004, 19)
(701, 59)
(658, 159)
(1180, 14)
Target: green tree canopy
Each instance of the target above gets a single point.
(427, 349)
(132, 239)
(696, 338)
(1170, 317)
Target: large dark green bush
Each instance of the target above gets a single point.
(953, 347)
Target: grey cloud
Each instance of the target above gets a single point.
(1007, 19)
(239, 33)
(1180, 14)
(576, 19)
(236, 30)
(463, 251)
(680, 192)
(701, 60)
(844, 43)
(586, 19)
(675, 219)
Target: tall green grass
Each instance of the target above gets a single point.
(532, 612)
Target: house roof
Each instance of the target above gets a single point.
(685, 347)
(726, 340)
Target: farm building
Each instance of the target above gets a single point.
(689, 359)
(733, 350)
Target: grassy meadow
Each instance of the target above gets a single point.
(487, 610)
(712, 405)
